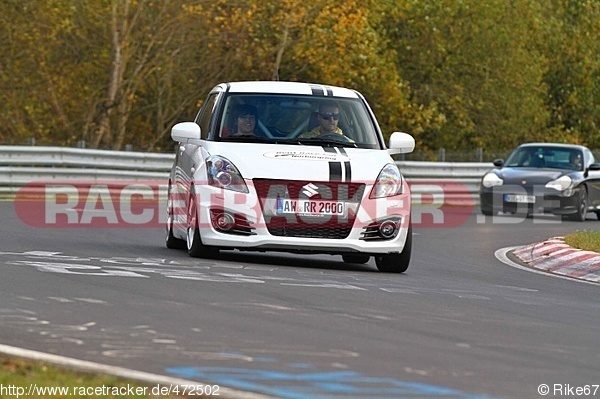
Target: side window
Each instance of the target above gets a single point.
(205, 115)
(590, 158)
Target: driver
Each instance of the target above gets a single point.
(575, 160)
(328, 117)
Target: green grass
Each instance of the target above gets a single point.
(586, 240)
(18, 375)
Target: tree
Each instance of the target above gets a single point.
(573, 77)
(456, 74)
(39, 72)
(141, 36)
(477, 62)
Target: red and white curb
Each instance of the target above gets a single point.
(554, 256)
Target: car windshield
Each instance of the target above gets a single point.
(300, 120)
(546, 157)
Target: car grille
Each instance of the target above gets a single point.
(331, 227)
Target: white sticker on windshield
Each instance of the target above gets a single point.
(307, 156)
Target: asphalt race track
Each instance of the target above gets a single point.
(459, 324)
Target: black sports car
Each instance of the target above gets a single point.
(561, 179)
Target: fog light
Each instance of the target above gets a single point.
(387, 229)
(224, 221)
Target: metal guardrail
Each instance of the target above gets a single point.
(450, 183)
(83, 158)
(20, 165)
(453, 183)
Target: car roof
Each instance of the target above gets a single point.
(276, 87)
(557, 145)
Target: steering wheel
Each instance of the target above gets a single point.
(340, 138)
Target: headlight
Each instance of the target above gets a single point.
(388, 183)
(560, 184)
(491, 179)
(223, 174)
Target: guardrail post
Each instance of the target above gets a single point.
(442, 155)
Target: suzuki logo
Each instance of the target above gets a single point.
(310, 190)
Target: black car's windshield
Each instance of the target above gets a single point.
(301, 120)
(546, 157)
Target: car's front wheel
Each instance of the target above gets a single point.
(195, 246)
(488, 212)
(582, 206)
(170, 240)
(396, 263)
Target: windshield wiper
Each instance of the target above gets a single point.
(248, 138)
(243, 138)
(328, 143)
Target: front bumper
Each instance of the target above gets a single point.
(529, 200)
(256, 231)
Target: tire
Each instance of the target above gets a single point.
(396, 263)
(582, 206)
(356, 258)
(195, 247)
(171, 241)
(488, 212)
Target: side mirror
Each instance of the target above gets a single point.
(498, 163)
(401, 143)
(594, 166)
(185, 131)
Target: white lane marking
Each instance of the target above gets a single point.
(501, 255)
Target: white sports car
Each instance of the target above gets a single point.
(294, 167)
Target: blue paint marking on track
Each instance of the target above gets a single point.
(336, 384)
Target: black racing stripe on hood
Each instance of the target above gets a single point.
(347, 165)
(348, 170)
(335, 171)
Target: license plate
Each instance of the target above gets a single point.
(310, 207)
(522, 199)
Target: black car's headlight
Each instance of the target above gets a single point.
(561, 184)
(491, 179)
(223, 174)
(388, 183)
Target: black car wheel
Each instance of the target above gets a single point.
(396, 263)
(488, 212)
(582, 206)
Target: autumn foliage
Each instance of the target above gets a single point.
(455, 74)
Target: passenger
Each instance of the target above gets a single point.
(244, 121)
